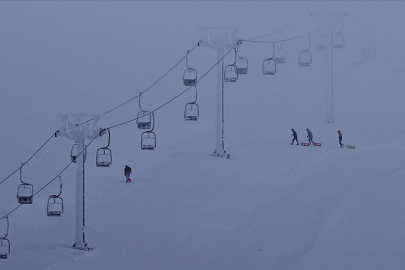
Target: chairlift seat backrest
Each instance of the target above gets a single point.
(338, 40)
(190, 77)
(230, 74)
(103, 157)
(4, 248)
(242, 65)
(25, 193)
(280, 56)
(144, 120)
(148, 140)
(305, 59)
(191, 112)
(269, 66)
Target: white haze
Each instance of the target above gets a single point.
(272, 205)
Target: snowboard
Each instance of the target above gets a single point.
(317, 144)
(305, 144)
(128, 181)
(351, 146)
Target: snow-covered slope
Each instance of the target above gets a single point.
(270, 206)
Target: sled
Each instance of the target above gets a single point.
(305, 144)
(351, 146)
(129, 181)
(317, 144)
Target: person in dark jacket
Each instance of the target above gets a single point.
(295, 138)
(340, 138)
(127, 172)
(309, 136)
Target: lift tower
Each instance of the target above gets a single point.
(221, 39)
(73, 127)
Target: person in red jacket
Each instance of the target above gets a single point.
(340, 138)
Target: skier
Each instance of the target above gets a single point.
(309, 136)
(340, 138)
(295, 138)
(127, 172)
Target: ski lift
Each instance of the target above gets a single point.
(281, 55)
(190, 74)
(191, 112)
(338, 40)
(241, 62)
(55, 203)
(269, 64)
(148, 138)
(104, 155)
(369, 51)
(5, 243)
(230, 73)
(305, 57)
(25, 192)
(144, 118)
(191, 109)
(321, 42)
(74, 152)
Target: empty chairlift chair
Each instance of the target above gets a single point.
(104, 154)
(190, 74)
(74, 152)
(241, 62)
(338, 39)
(25, 192)
(191, 109)
(144, 118)
(55, 203)
(305, 57)
(281, 55)
(269, 64)
(230, 72)
(148, 140)
(321, 42)
(4, 242)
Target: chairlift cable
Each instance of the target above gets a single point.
(36, 152)
(181, 93)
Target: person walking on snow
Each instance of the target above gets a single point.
(340, 138)
(309, 136)
(127, 172)
(295, 138)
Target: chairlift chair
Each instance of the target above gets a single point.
(191, 112)
(4, 248)
(148, 140)
(190, 74)
(75, 151)
(269, 66)
(55, 203)
(338, 40)
(230, 73)
(305, 59)
(5, 243)
(321, 42)
(281, 55)
(190, 77)
(25, 191)
(241, 65)
(144, 120)
(104, 154)
(55, 206)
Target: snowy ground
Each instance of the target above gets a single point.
(270, 206)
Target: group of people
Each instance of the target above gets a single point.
(310, 137)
